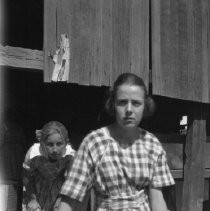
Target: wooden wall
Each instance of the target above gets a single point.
(107, 37)
(180, 49)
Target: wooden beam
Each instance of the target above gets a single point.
(21, 58)
(194, 169)
(178, 173)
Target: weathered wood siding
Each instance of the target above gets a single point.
(181, 49)
(107, 37)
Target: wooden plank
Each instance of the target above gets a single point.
(194, 36)
(81, 57)
(74, 41)
(179, 49)
(193, 187)
(139, 39)
(208, 43)
(85, 41)
(21, 58)
(50, 45)
(205, 49)
(178, 173)
(156, 50)
(106, 52)
(96, 40)
(63, 19)
(121, 37)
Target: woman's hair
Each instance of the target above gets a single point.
(130, 79)
(54, 127)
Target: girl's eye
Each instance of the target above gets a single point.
(49, 144)
(59, 144)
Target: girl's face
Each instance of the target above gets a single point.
(129, 105)
(55, 146)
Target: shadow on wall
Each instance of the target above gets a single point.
(206, 205)
(11, 158)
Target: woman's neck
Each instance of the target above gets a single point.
(123, 135)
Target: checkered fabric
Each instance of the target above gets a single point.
(117, 172)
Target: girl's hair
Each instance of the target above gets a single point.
(54, 127)
(130, 79)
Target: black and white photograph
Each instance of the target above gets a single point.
(104, 105)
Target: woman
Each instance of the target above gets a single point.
(45, 167)
(124, 164)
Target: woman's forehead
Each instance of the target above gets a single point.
(127, 90)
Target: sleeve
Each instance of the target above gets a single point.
(161, 172)
(33, 151)
(80, 175)
(27, 160)
(68, 164)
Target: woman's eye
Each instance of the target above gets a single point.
(137, 103)
(121, 102)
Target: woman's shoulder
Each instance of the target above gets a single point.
(96, 137)
(97, 134)
(151, 140)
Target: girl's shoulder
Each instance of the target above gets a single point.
(33, 151)
(69, 151)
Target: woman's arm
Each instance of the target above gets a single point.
(157, 202)
(63, 206)
(67, 204)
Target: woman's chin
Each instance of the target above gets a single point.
(129, 126)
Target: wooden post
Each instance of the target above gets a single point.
(193, 186)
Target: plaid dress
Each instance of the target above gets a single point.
(120, 175)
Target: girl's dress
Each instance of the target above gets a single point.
(45, 177)
(119, 175)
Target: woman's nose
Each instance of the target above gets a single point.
(129, 108)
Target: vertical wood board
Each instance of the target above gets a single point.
(193, 187)
(179, 49)
(120, 36)
(139, 39)
(106, 39)
(96, 42)
(50, 11)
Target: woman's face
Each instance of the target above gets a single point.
(54, 146)
(129, 105)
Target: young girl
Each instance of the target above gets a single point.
(124, 164)
(45, 167)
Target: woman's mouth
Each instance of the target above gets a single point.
(129, 119)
